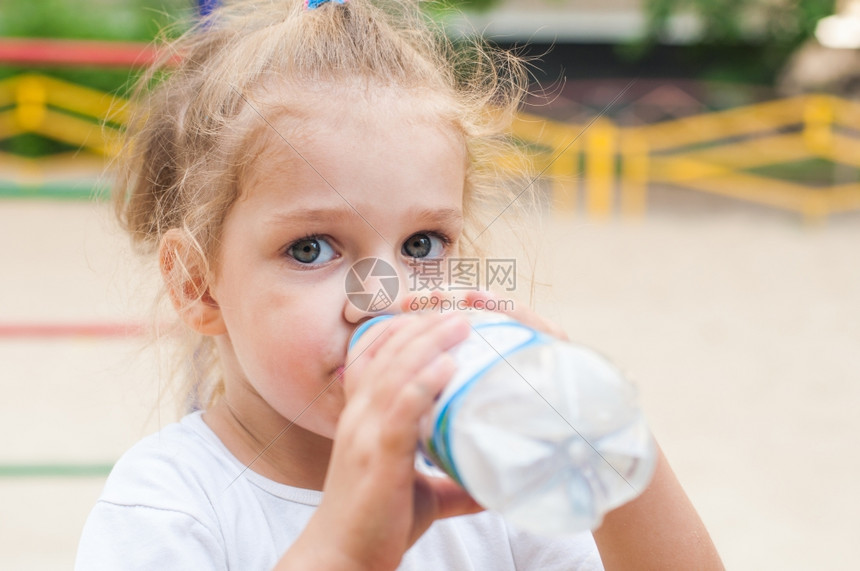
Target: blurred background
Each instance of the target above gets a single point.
(701, 166)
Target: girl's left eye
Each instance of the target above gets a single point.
(424, 245)
(311, 250)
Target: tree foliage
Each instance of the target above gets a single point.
(89, 19)
(778, 22)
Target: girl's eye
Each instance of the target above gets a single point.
(311, 250)
(424, 245)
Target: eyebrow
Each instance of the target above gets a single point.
(312, 215)
(441, 216)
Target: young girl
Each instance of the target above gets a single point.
(289, 143)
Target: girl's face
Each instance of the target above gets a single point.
(364, 178)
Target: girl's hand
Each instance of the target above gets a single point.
(483, 300)
(375, 505)
(520, 312)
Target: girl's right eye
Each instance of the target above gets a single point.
(311, 250)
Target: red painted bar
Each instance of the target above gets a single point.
(61, 330)
(76, 53)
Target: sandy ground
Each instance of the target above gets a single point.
(741, 327)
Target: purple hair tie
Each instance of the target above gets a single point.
(310, 4)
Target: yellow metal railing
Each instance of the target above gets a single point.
(86, 119)
(60, 110)
(601, 169)
(714, 153)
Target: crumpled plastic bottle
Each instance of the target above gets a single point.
(546, 432)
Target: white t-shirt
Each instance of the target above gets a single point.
(180, 500)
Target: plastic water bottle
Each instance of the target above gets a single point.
(543, 431)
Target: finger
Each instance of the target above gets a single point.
(376, 336)
(380, 334)
(437, 302)
(402, 355)
(449, 498)
(481, 299)
(414, 399)
(487, 300)
(437, 498)
(360, 355)
(452, 500)
(417, 344)
(538, 322)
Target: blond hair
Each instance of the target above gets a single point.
(187, 143)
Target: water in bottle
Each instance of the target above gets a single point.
(546, 432)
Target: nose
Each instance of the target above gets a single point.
(373, 286)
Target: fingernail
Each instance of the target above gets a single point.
(483, 295)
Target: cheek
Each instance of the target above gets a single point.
(298, 336)
(296, 370)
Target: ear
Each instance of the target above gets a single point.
(186, 275)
